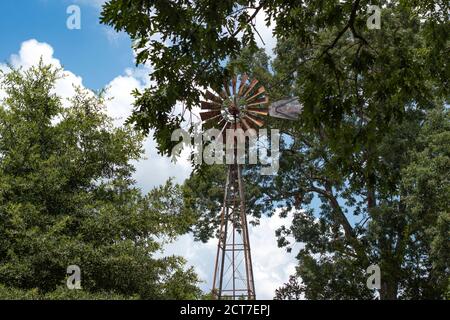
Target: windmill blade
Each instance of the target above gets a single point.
(223, 131)
(211, 96)
(288, 109)
(250, 88)
(261, 112)
(242, 86)
(244, 125)
(209, 105)
(260, 101)
(224, 126)
(247, 125)
(209, 115)
(226, 88)
(223, 95)
(259, 92)
(258, 122)
(246, 110)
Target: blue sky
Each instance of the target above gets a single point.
(93, 52)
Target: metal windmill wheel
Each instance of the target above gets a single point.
(236, 107)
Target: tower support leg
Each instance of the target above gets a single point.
(233, 272)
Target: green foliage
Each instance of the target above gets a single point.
(426, 182)
(60, 293)
(290, 291)
(67, 198)
(185, 42)
(366, 105)
(203, 195)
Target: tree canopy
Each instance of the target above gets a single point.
(67, 198)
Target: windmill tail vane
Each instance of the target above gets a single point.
(240, 105)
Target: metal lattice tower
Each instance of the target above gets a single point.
(233, 273)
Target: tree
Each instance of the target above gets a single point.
(375, 99)
(366, 94)
(405, 235)
(290, 291)
(67, 198)
(425, 181)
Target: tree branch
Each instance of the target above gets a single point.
(350, 25)
(343, 221)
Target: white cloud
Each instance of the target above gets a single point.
(272, 265)
(266, 32)
(113, 36)
(31, 52)
(154, 170)
(119, 97)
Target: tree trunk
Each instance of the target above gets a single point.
(389, 290)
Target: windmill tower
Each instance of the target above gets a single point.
(238, 107)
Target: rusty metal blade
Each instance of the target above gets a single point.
(246, 124)
(211, 96)
(259, 92)
(258, 122)
(260, 101)
(209, 105)
(226, 88)
(233, 83)
(208, 115)
(261, 112)
(242, 85)
(223, 95)
(250, 88)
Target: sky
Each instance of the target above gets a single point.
(97, 57)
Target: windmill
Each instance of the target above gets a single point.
(238, 107)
